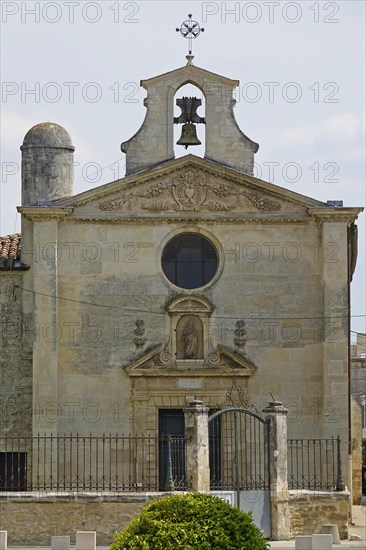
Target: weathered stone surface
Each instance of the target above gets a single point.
(276, 413)
(358, 377)
(309, 511)
(197, 446)
(108, 274)
(47, 164)
(15, 362)
(110, 512)
(103, 513)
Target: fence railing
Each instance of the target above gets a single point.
(78, 463)
(72, 462)
(314, 464)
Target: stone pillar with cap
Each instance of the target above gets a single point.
(280, 514)
(197, 446)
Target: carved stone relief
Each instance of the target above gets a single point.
(190, 191)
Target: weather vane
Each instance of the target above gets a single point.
(190, 29)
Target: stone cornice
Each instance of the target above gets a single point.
(188, 371)
(44, 213)
(198, 218)
(339, 215)
(77, 496)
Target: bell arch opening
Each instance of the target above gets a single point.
(189, 117)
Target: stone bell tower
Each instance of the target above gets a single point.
(154, 141)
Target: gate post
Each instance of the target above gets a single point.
(197, 450)
(280, 514)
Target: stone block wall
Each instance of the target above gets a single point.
(33, 518)
(310, 510)
(15, 360)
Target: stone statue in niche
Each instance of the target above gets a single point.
(189, 338)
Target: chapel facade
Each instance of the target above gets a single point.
(187, 279)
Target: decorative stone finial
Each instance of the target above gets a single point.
(189, 59)
(240, 334)
(139, 332)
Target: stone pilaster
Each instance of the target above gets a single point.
(332, 252)
(45, 348)
(196, 431)
(280, 515)
(335, 335)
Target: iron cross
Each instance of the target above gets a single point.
(190, 29)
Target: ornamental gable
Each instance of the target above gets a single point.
(190, 186)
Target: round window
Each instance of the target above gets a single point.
(189, 261)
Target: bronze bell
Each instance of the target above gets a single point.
(189, 136)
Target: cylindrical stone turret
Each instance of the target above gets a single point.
(47, 164)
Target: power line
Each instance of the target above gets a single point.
(141, 310)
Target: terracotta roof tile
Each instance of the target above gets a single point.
(10, 246)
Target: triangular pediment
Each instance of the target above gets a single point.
(157, 361)
(189, 73)
(236, 359)
(190, 185)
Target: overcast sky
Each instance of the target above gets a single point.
(301, 95)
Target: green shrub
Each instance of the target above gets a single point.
(191, 521)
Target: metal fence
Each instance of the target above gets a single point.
(78, 463)
(72, 462)
(314, 464)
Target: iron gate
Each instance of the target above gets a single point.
(239, 462)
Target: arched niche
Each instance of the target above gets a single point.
(189, 338)
(190, 328)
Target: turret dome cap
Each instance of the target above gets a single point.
(48, 134)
